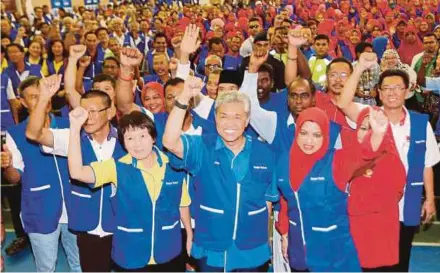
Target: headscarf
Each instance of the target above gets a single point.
(408, 51)
(380, 45)
(158, 88)
(301, 163)
(422, 34)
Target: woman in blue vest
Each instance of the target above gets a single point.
(314, 185)
(150, 198)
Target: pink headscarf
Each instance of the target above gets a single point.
(406, 50)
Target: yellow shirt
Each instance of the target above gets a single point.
(4, 64)
(45, 69)
(105, 172)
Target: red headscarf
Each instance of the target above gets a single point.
(156, 87)
(301, 163)
(406, 50)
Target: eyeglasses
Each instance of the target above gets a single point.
(387, 89)
(213, 66)
(253, 26)
(302, 96)
(94, 113)
(110, 66)
(335, 75)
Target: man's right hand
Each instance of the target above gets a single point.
(77, 51)
(193, 86)
(78, 117)
(256, 59)
(6, 157)
(190, 41)
(130, 57)
(296, 37)
(367, 60)
(50, 85)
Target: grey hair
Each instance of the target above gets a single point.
(233, 97)
(214, 57)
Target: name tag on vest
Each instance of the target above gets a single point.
(420, 141)
(320, 178)
(169, 183)
(260, 167)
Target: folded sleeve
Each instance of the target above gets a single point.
(105, 172)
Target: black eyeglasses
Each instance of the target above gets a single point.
(96, 112)
(253, 26)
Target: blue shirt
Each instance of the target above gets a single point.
(235, 258)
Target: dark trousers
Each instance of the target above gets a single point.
(405, 245)
(202, 266)
(95, 252)
(391, 268)
(175, 265)
(13, 194)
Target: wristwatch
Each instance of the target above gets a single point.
(180, 105)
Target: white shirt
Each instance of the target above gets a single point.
(18, 163)
(119, 38)
(102, 151)
(246, 47)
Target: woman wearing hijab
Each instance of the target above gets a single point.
(410, 45)
(314, 185)
(373, 203)
(347, 47)
(152, 97)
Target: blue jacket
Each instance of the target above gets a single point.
(94, 68)
(318, 210)
(45, 182)
(7, 118)
(34, 70)
(146, 228)
(416, 166)
(86, 208)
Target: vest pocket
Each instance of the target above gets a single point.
(130, 229)
(325, 229)
(171, 226)
(257, 211)
(219, 211)
(41, 188)
(81, 194)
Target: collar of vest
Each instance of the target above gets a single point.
(112, 134)
(161, 158)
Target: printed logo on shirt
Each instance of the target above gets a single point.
(319, 178)
(368, 173)
(169, 183)
(262, 167)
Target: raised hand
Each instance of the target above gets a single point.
(6, 157)
(190, 41)
(378, 121)
(130, 56)
(193, 86)
(77, 51)
(50, 85)
(85, 61)
(77, 117)
(297, 37)
(367, 60)
(173, 64)
(256, 59)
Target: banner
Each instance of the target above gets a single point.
(61, 4)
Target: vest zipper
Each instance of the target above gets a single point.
(300, 217)
(237, 205)
(152, 231)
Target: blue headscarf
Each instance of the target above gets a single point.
(380, 45)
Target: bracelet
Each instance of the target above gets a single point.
(180, 105)
(292, 59)
(125, 79)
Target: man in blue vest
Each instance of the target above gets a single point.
(45, 182)
(234, 175)
(90, 213)
(415, 142)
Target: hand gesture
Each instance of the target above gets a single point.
(173, 64)
(284, 247)
(256, 60)
(85, 61)
(77, 51)
(77, 117)
(297, 37)
(50, 85)
(367, 60)
(378, 121)
(131, 57)
(6, 156)
(427, 58)
(193, 86)
(176, 41)
(428, 211)
(190, 41)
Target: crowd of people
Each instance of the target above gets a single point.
(166, 136)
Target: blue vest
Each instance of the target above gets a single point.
(34, 70)
(218, 196)
(129, 37)
(416, 166)
(145, 228)
(42, 192)
(323, 218)
(94, 68)
(7, 118)
(86, 202)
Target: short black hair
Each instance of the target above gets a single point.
(340, 60)
(101, 29)
(159, 35)
(20, 47)
(136, 120)
(214, 41)
(394, 73)
(265, 67)
(89, 33)
(104, 78)
(29, 81)
(112, 58)
(95, 93)
(253, 19)
(173, 82)
(360, 48)
(430, 35)
(321, 37)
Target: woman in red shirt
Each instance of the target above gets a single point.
(373, 204)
